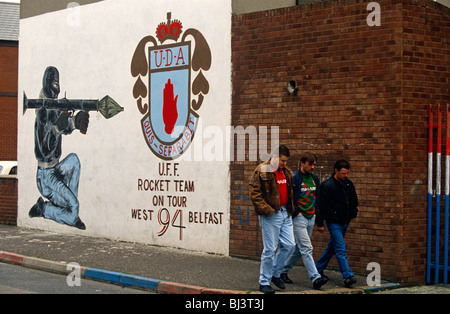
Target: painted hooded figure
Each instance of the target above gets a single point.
(57, 180)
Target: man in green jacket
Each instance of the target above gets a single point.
(306, 190)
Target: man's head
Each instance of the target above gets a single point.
(307, 163)
(341, 170)
(50, 83)
(280, 157)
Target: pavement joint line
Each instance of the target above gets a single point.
(156, 285)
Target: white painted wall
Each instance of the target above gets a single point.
(92, 46)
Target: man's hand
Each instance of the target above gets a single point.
(82, 121)
(320, 229)
(63, 121)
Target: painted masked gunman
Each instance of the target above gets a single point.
(57, 180)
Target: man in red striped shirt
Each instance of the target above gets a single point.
(272, 197)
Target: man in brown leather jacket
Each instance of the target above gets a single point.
(272, 197)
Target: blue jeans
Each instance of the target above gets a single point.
(59, 184)
(276, 230)
(336, 246)
(303, 228)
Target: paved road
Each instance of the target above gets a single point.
(20, 280)
(175, 268)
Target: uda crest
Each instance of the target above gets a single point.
(170, 86)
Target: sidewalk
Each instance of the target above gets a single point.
(163, 270)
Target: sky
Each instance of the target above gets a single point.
(14, 1)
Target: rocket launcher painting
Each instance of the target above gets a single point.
(107, 106)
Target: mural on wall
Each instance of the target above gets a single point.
(170, 116)
(57, 180)
(158, 172)
(174, 65)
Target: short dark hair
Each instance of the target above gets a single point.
(282, 150)
(342, 163)
(308, 157)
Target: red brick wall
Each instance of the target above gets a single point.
(8, 200)
(363, 95)
(8, 100)
(426, 70)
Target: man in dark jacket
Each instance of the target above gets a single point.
(338, 205)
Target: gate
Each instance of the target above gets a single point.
(437, 242)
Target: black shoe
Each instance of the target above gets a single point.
(79, 224)
(319, 282)
(266, 289)
(284, 278)
(277, 282)
(349, 281)
(324, 276)
(38, 209)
